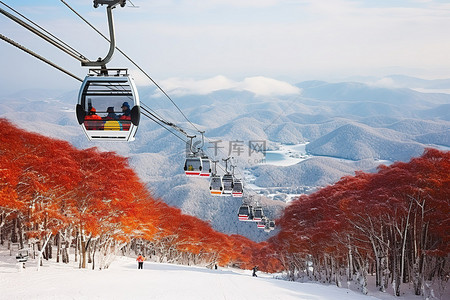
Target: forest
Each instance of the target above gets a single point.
(89, 206)
(53, 195)
(393, 223)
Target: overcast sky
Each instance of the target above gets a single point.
(236, 43)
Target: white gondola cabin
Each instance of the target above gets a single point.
(262, 223)
(267, 227)
(245, 213)
(206, 167)
(216, 185)
(258, 214)
(193, 165)
(237, 188)
(227, 181)
(108, 105)
(272, 225)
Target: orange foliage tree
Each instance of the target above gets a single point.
(93, 201)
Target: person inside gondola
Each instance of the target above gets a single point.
(92, 120)
(125, 118)
(111, 114)
(126, 112)
(92, 115)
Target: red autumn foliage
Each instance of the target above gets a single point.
(399, 214)
(55, 188)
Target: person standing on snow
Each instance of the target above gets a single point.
(140, 261)
(255, 268)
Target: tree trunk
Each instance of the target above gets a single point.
(58, 246)
(20, 233)
(40, 252)
(93, 255)
(2, 222)
(14, 231)
(76, 244)
(384, 272)
(402, 258)
(65, 252)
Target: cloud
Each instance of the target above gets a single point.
(260, 86)
(263, 86)
(385, 82)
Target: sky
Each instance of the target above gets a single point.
(242, 43)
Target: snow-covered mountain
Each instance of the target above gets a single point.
(349, 126)
(316, 171)
(358, 141)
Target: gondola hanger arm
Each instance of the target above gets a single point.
(112, 40)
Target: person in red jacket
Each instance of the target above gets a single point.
(92, 120)
(92, 115)
(140, 261)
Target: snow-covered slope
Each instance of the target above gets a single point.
(156, 281)
(313, 172)
(357, 141)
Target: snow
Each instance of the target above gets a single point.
(156, 281)
(432, 91)
(286, 155)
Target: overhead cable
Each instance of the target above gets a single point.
(43, 29)
(38, 57)
(44, 36)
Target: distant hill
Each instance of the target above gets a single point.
(436, 138)
(441, 112)
(357, 141)
(413, 82)
(313, 172)
(355, 91)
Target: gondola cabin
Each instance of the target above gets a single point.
(262, 223)
(267, 227)
(216, 185)
(108, 106)
(227, 181)
(258, 214)
(245, 213)
(237, 188)
(206, 167)
(193, 166)
(272, 225)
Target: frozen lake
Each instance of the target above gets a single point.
(286, 155)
